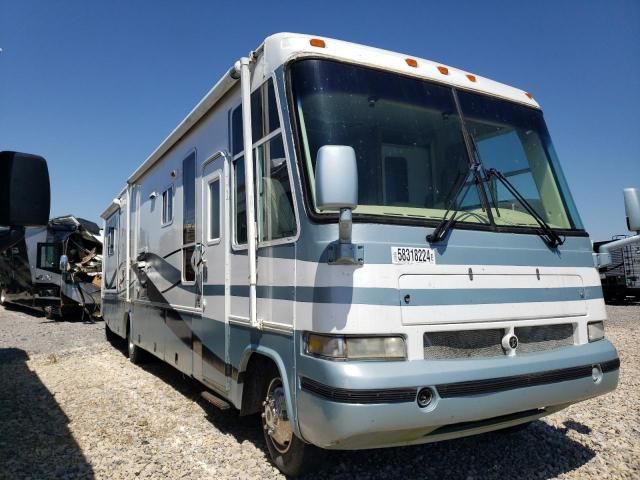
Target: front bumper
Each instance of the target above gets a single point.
(369, 404)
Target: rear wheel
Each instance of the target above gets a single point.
(134, 352)
(108, 334)
(290, 454)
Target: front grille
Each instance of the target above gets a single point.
(544, 337)
(488, 343)
(369, 396)
(463, 344)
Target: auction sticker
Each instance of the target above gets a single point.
(412, 255)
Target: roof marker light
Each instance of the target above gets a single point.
(443, 70)
(472, 78)
(317, 42)
(412, 62)
(529, 95)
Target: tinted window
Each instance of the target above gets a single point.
(188, 213)
(48, 257)
(240, 203)
(214, 210)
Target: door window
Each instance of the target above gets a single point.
(188, 216)
(214, 210)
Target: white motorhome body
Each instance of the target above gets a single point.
(385, 337)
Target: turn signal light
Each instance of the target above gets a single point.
(317, 42)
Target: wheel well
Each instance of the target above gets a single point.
(256, 375)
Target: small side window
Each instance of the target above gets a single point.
(214, 210)
(111, 234)
(48, 257)
(167, 206)
(240, 203)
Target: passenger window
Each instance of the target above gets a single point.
(275, 202)
(214, 210)
(167, 206)
(276, 218)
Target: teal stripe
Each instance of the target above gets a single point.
(418, 297)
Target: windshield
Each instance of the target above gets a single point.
(408, 137)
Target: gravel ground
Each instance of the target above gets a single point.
(72, 406)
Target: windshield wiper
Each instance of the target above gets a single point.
(441, 230)
(551, 238)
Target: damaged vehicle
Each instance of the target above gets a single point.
(56, 268)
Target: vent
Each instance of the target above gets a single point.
(544, 337)
(463, 344)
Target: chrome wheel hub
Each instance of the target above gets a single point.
(275, 419)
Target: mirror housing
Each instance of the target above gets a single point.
(632, 208)
(337, 189)
(336, 178)
(24, 190)
(64, 263)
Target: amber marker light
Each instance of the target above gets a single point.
(317, 42)
(412, 62)
(443, 70)
(472, 78)
(529, 95)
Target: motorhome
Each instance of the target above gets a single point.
(56, 268)
(367, 248)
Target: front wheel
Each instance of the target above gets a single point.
(134, 352)
(290, 454)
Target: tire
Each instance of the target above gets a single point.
(48, 313)
(134, 352)
(108, 334)
(289, 454)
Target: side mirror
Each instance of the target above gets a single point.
(64, 263)
(24, 190)
(337, 189)
(632, 208)
(336, 178)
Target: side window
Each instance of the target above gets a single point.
(111, 235)
(275, 213)
(214, 210)
(48, 258)
(167, 206)
(188, 216)
(239, 202)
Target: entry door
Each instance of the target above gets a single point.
(213, 270)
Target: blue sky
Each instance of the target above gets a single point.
(95, 86)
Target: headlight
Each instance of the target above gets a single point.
(595, 331)
(339, 347)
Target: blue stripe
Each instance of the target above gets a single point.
(418, 297)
